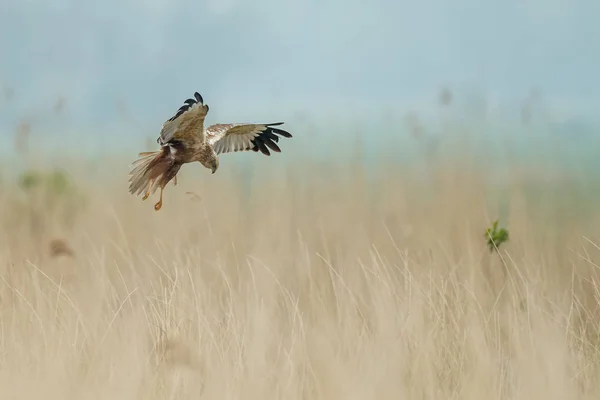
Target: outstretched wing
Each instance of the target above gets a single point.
(187, 125)
(227, 138)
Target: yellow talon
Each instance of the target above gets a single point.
(158, 205)
(148, 191)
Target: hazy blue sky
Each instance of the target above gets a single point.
(269, 59)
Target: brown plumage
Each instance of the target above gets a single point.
(184, 139)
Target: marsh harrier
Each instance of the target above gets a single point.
(184, 139)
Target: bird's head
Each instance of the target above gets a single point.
(208, 158)
(214, 165)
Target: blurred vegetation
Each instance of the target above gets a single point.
(47, 199)
(55, 188)
(55, 183)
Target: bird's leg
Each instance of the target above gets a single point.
(148, 190)
(175, 180)
(158, 205)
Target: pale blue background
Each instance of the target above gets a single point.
(335, 62)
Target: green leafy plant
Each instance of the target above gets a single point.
(495, 237)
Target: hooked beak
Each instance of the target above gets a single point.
(214, 169)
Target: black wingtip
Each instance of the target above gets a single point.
(272, 145)
(278, 131)
(188, 104)
(281, 132)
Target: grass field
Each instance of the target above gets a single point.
(350, 279)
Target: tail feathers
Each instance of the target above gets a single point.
(144, 169)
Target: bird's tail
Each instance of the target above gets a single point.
(146, 169)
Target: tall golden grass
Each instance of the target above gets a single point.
(313, 281)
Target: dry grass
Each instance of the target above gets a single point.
(318, 284)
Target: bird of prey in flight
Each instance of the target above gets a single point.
(184, 139)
